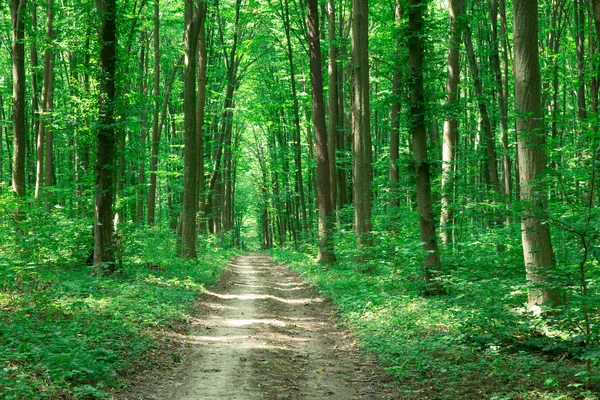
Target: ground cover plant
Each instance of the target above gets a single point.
(65, 333)
(477, 341)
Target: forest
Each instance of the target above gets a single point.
(428, 165)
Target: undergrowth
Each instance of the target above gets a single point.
(476, 342)
(67, 334)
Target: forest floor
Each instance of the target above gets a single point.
(264, 333)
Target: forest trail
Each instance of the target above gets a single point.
(266, 334)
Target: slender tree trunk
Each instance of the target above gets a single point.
(595, 5)
(362, 171)
(537, 245)
(506, 162)
(157, 125)
(326, 252)
(200, 105)
(104, 246)
(502, 94)
(155, 128)
(395, 123)
(491, 173)
(332, 92)
(49, 101)
(190, 200)
(299, 182)
(18, 69)
(450, 139)
(419, 145)
(141, 183)
(579, 18)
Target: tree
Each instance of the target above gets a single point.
(362, 169)
(450, 141)
(537, 245)
(419, 147)
(326, 252)
(104, 246)
(190, 192)
(395, 116)
(18, 67)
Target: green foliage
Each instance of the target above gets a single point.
(65, 333)
(476, 342)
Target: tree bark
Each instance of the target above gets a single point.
(502, 95)
(537, 245)
(450, 138)
(326, 251)
(48, 102)
(190, 199)
(299, 182)
(419, 146)
(362, 170)
(200, 105)
(332, 93)
(395, 117)
(18, 70)
(155, 128)
(104, 246)
(579, 18)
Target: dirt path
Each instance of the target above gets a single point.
(267, 335)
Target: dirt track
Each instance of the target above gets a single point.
(266, 334)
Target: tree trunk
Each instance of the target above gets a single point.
(450, 139)
(395, 117)
(104, 246)
(190, 200)
(579, 18)
(491, 171)
(419, 146)
(332, 92)
(299, 182)
(502, 94)
(19, 135)
(200, 105)
(537, 246)
(595, 5)
(362, 170)
(326, 251)
(157, 126)
(141, 183)
(49, 102)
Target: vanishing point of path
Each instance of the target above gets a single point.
(266, 334)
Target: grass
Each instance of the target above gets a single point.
(475, 343)
(67, 334)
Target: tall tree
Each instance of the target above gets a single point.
(299, 183)
(18, 71)
(332, 105)
(395, 116)
(502, 94)
(190, 193)
(326, 252)
(362, 169)
(419, 146)
(104, 246)
(537, 245)
(155, 116)
(450, 139)
(200, 104)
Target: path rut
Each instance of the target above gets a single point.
(268, 335)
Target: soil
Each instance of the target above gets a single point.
(265, 334)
